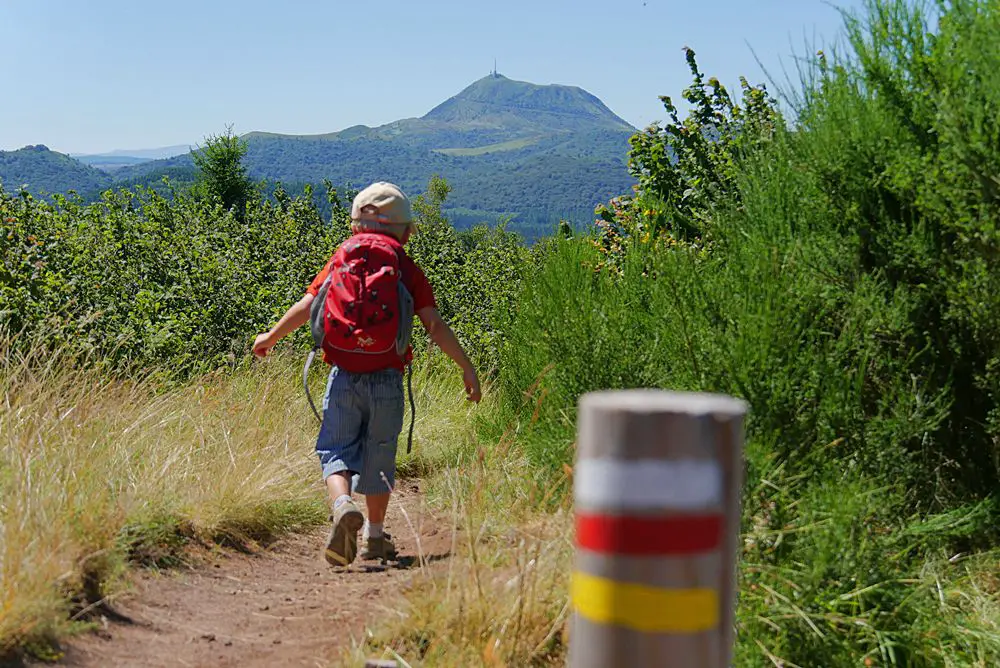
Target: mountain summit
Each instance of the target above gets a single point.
(493, 114)
(496, 101)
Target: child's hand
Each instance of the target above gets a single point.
(262, 344)
(472, 389)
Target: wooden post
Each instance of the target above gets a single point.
(657, 493)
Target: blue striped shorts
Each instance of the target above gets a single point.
(362, 418)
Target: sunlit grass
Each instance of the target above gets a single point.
(501, 597)
(95, 470)
(98, 473)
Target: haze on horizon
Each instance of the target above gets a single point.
(110, 75)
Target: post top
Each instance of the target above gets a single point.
(663, 401)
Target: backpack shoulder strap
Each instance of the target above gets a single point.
(305, 384)
(406, 313)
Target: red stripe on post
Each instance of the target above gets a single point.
(648, 536)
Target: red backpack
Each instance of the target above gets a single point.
(363, 308)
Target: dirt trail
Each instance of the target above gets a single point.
(282, 607)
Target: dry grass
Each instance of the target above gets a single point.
(94, 471)
(501, 600)
(962, 617)
(98, 473)
(443, 432)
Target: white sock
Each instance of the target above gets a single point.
(341, 500)
(375, 530)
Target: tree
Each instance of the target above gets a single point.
(436, 246)
(222, 174)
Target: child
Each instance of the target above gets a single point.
(363, 405)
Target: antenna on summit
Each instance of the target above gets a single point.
(494, 72)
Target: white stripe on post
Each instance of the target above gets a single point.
(613, 484)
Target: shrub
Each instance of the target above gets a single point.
(839, 274)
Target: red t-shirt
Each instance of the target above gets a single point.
(423, 297)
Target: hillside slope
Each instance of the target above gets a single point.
(45, 171)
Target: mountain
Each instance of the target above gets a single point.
(536, 153)
(114, 160)
(496, 102)
(45, 171)
(141, 153)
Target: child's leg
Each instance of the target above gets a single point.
(340, 438)
(384, 392)
(338, 485)
(377, 505)
(339, 449)
(378, 468)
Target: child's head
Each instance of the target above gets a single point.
(382, 207)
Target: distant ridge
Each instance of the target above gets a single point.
(114, 160)
(45, 171)
(146, 153)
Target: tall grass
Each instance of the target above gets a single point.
(500, 598)
(846, 287)
(828, 576)
(95, 471)
(843, 280)
(98, 474)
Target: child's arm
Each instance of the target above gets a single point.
(444, 338)
(294, 318)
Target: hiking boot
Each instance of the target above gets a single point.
(379, 548)
(342, 546)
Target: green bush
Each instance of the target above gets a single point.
(139, 279)
(182, 283)
(476, 274)
(838, 271)
(849, 289)
(840, 275)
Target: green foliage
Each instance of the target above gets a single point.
(903, 148)
(476, 274)
(841, 276)
(166, 180)
(687, 168)
(177, 282)
(838, 272)
(142, 279)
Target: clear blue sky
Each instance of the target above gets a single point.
(109, 74)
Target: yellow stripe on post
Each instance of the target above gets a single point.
(642, 608)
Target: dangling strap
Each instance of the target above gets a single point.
(305, 383)
(413, 406)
